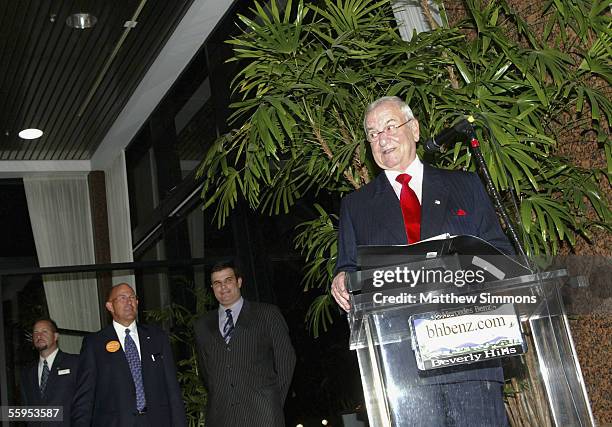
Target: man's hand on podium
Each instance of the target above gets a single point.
(339, 292)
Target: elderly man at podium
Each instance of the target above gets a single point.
(407, 202)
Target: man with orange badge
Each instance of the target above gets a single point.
(127, 375)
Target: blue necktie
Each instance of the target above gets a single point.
(44, 377)
(131, 352)
(228, 328)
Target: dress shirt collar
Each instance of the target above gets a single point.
(120, 330)
(415, 170)
(50, 359)
(236, 309)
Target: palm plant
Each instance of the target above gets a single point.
(182, 334)
(310, 69)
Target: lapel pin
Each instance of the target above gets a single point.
(460, 212)
(112, 346)
(437, 202)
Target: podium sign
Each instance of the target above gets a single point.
(438, 354)
(467, 335)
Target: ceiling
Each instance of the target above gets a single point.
(73, 83)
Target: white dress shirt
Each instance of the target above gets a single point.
(50, 358)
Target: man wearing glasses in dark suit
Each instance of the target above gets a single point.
(407, 202)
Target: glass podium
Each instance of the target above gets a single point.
(437, 351)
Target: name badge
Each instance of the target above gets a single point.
(63, 372)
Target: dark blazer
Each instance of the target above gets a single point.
(372, 216)
(106, 395)
(248, 379)
(60, 386)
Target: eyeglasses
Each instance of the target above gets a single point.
(125, 298)
(374, 135)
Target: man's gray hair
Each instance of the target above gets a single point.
(405, 108)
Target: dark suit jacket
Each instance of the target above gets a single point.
(60, 388)
(248, 379)
(106, 395)
(372, 216)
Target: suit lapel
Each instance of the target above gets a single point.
(387, 210)
(434, 201)
(244, 319)
(118, 357)
(144, 339)
(146, 350)
(59, 360)
(212, 323)
(34, 380)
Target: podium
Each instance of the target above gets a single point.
(432, 349)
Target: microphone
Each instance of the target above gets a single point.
(449, 135)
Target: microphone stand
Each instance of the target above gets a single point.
(494, 194)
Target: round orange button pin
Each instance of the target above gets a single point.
(112, 346)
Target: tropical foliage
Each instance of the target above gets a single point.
(309, 70)
(182, 335)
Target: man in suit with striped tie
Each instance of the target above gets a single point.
(246, 356)
(127, 375)
(51, 380)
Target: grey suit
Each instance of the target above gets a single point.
(248, 378)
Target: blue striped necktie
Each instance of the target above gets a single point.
(131, 352)
(44, 377)
(228, 328)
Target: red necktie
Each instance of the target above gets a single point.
(411, 209)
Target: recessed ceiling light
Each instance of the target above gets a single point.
(81, 20)
(30, 133)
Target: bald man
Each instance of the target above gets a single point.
(127, 375)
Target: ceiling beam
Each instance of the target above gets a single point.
(190, 34)
(20, 168)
